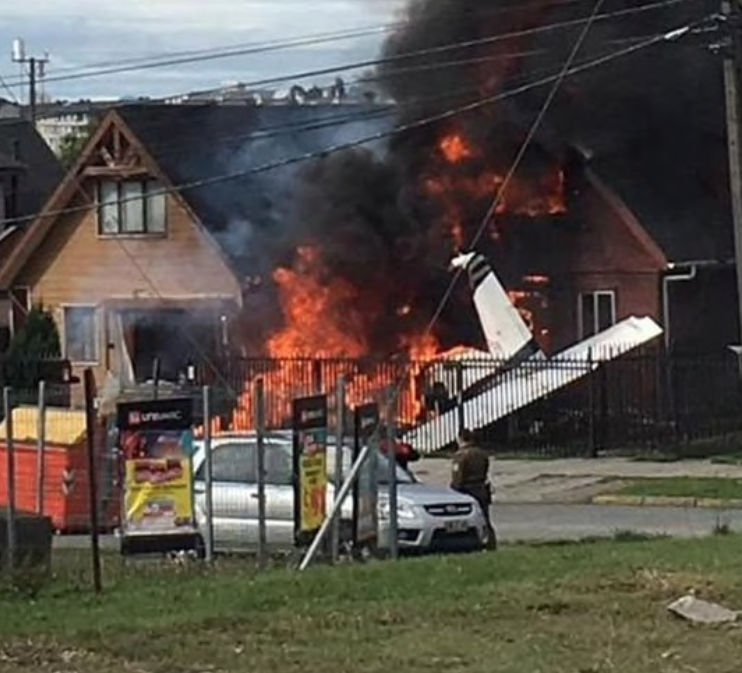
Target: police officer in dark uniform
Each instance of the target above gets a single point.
(470, 475)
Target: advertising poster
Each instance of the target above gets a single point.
(365, 490)
(155, 439)
(310, 466)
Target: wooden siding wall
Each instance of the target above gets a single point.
(75, 266)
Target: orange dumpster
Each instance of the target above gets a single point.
(65, 470)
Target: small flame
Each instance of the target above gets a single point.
(455, 149)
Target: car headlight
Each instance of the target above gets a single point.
(404, 511)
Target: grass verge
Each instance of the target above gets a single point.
(580, 608)
(684, 487)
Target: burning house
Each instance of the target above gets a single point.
(294, 251)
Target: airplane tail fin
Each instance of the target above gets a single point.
(508, 337)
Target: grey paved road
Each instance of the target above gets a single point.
(562, 522)
(537, 522)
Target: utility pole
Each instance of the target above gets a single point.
(35, 72)
(731, 9)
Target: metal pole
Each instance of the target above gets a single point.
(10, 448)
(260, 458)
(41, 449)
(90, 393)
(32, 88)
(460, 394)
(732, 65)
(336, 507)
(208, 478)
(155, 378)
(392, 458)
(592, 447)
(339, 432)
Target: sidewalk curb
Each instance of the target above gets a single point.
(666, 501)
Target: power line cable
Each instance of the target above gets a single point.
(391, 401)
(291, 42)
(421, 67)
(491, 211)
(4, 84)
(347, 116)
(382, 135)
(359, 64)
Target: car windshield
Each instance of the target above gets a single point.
(382, 475)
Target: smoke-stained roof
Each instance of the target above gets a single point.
(680, 197)
(194, 143)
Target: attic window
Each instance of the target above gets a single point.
(132, 207)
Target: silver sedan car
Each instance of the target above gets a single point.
(430, 518)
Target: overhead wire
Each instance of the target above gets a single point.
(417, 67)
(557, 81)
(6, 87)
(403, 128)
(367, 63)
(567, 71)
(392, 401)
(317, 38)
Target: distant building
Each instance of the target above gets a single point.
(59, 120)
(9, 109)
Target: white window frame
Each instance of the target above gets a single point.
(96, 332)
(595, 327)
(147, 185)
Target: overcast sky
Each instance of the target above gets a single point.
(82, 32)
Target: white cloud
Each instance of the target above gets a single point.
(83, 32)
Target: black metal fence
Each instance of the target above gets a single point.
(637, 403)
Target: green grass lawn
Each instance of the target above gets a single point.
(582, 608)
(685, 487)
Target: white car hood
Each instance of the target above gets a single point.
(425, 494)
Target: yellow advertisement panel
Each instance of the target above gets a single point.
(158, 495)
(313, 481)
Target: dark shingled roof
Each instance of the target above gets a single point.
(22, 148)
(192, 143)
(679, 194)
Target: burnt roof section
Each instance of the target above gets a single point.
(198, 143)
(679, 194)
(23, 149)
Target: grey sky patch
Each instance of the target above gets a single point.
(81, 32)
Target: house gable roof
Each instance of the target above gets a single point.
(23, 147)
(188, 145)
(679, 195)
(25, 153)
(196, 143)
(58, 203)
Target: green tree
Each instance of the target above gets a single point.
(37, 340)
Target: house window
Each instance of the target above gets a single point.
(596, 312)
(132, 207)
(80, 334)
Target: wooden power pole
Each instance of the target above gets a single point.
(732, 71)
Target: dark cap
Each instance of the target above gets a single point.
(466, 435)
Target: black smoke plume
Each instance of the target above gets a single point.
(370, 213)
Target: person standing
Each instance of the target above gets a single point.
(470, 475)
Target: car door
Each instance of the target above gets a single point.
(234, 492)
(279, 489)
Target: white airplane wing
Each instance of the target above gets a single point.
(516, 388)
